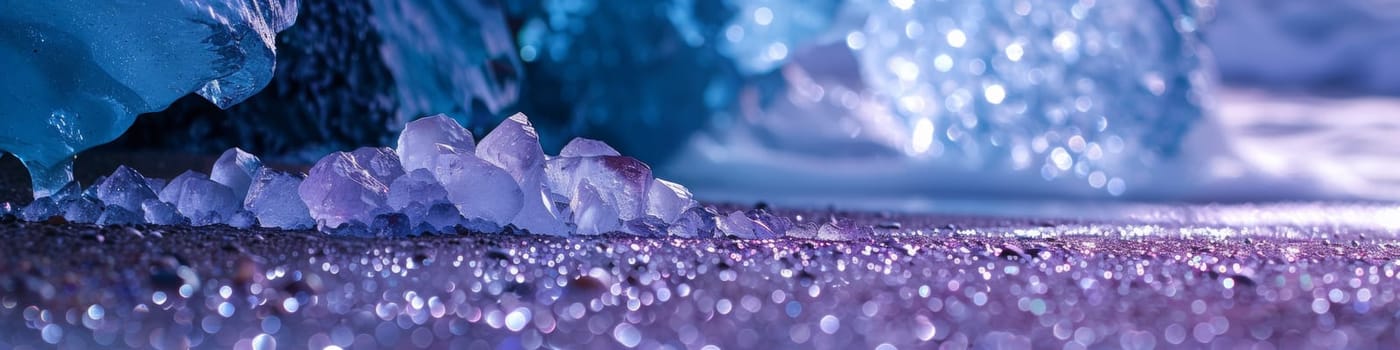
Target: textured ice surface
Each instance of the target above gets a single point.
(340, 190)
(125, 188)
(235, 169)
(161, 213)
(667, 200)
(119, 215)
(417, 145)
(78, 72)
(82, 210)
(274, 200)
(203, 201)
(479, 189)
(592, 215)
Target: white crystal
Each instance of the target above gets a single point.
(667, 200)
(419, 139)
(582, 147)
(235, 169)
(273, 199)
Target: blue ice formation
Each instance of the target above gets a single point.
(438, 179)
(78, 72)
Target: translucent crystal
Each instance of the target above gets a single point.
(339, 191)
(40, 209)
(118, 215)
(161, 213)
(242, 219)
(697, 222)
(413, 194)
(591, 214)
(82, 210)
(667, 200)
(273, 199)
(235, 169)
(583, 147)
(621, 181)
(478, 189)
(381, 163)
(78, 72)
(203, 201)
(418, 142)
(514, 146)
(125, 188)
(442, 217)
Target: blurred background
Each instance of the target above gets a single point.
(864, 104)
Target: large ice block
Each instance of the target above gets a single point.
(78, 72)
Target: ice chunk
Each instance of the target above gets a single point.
(156, 184)
(203, 201)
(414, 193)
(737, 224)
(442, 217)
(582, 147)
(126, 188)
(621, 181)
(40, 209)
(478, 189)
(591, 214)
(390, 225)
(514, 146)
(340, 191)
(697, 222)
(82, 210)
(78, 72)
(235, 169)
(649, 226)
(161, 213)
(667, 200)
(118, 215)
(242, 219)
(273, 199)
(418, 142)
(381, 162)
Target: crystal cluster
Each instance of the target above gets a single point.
(78, 72)
(438, 179)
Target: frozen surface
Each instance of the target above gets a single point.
(77, 75)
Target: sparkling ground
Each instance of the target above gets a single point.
(1163, 277)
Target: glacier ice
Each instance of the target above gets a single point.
(78, 72)
(235, 169)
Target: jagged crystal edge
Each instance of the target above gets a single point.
(437, 181)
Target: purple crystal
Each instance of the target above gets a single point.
(203, 201)
(381, 163)
(414, 193)
(478, 189)
(515, 147)
(40, 209)
(390, 225)
(235, 169)
(582, 147)
(339, 191)
(418, 142)
(697, 222)
(442, 217)
(126, 188)
(273, 199)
